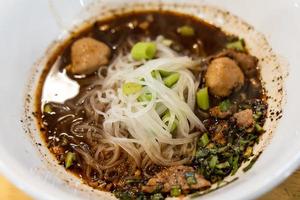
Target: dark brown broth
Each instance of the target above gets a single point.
(116, 32)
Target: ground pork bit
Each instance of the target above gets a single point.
(244, 118)
(219, 132)
(218, 113)
(246, 62)
(58, 150)
(175, 176)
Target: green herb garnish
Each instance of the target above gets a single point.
(213, 162)
(204, 140)
(223, 165)
(190, 178)
(259, 128)
(123, 195)
(157, 196)
(235, 164)
(175, 191)
(225, 105)
(201, 152)
(251, 163)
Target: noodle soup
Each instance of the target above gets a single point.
(152, 104)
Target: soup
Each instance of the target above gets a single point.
(167, 105)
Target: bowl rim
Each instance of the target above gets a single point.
(46, 191)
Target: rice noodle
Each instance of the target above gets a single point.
(137, 128)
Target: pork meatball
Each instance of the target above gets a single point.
(87, 55)
(223, 76)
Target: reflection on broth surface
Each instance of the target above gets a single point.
(153, 104)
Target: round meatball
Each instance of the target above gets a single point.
(223, 76)
(87, 55)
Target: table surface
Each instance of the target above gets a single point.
(288, 190)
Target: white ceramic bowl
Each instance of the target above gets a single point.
(27, 30)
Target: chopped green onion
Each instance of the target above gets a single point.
(157, 196)
(213, 162)
(204, 140)
(164, 73)
(248, 152)
(223, 165)
(48, 109)
(259, 128)
(203, 98)
(175, 191)
(143, 50)
(225, 105)
(131, 88)
(166, 119)
(173, 127)
(70, 158)
(235, 165)
(155, 74)
(186, 30)
(166, 115)
(190, 178)
(170, 80)
(145, 97)
(238, 45)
